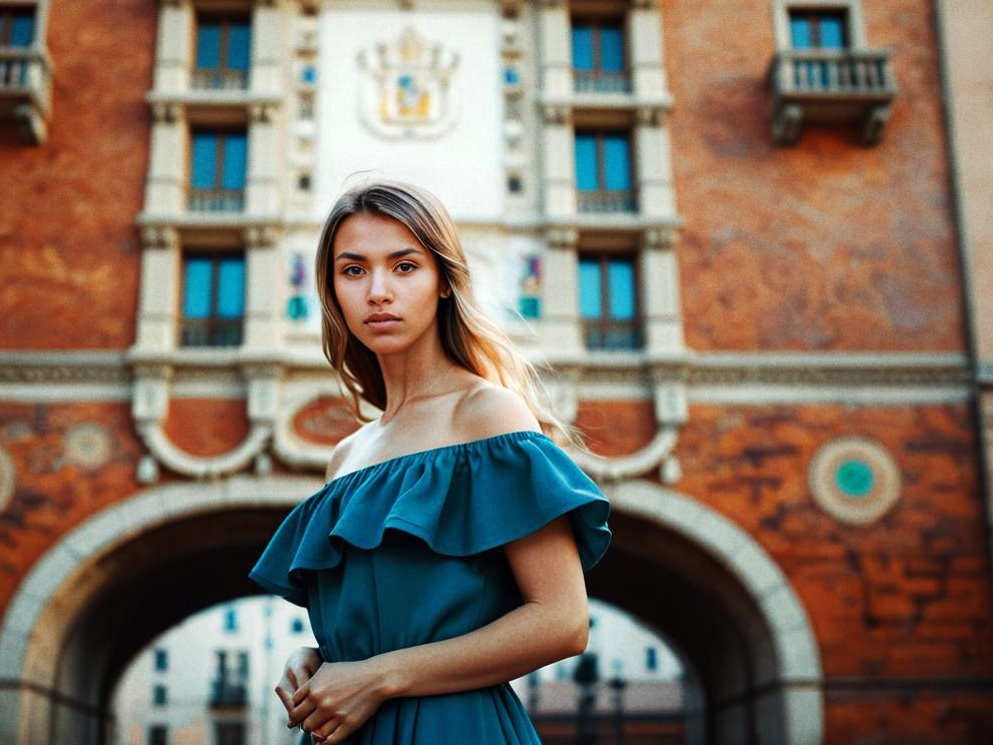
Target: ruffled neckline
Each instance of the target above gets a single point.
(460, 499)
(407, 458)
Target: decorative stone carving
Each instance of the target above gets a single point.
(405, 91)
(854, 479)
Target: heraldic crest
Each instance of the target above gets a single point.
(406, 88)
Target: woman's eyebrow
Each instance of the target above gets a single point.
(394, 255)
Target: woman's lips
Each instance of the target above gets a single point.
(383, 325)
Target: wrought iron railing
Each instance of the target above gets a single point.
(600, 81)
(607, 200)
(211, 79)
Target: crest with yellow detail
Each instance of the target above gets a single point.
(407, 87)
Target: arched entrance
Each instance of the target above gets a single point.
(134, 570)
(752, 658)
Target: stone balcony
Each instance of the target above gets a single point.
(26, 91)
(830, 86)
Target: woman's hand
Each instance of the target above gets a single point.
(300, 667)
(338, 699)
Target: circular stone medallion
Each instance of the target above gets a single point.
(854, 479)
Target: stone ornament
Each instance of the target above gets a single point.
(854, 479)
(87, 445)
(406, 87)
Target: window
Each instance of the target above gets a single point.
(16, 26)
(217, 170)
(223, 52)
(651, 659)
(230, 620)
(158, 734)
(229, 733)
(297, 626)
(161, 659)
(159, 695)
(818, 29)
(603, 171)
(608, 301)
(213, 299)
(308, 74)
(598, 64)
(303, 182)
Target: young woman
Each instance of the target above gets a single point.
(444, 557)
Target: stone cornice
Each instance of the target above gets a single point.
(712, 368)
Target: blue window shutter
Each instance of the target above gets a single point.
(196, 288)
(589, 288)
(208, 45)
(617, 161)
(611, 49)
(231, 288)
(620, 280)
(582, 47)
(800, 36)
(204, 158)
(235, 147)
(239, 45)
(22, 30)
(586, 163)
(832, 32)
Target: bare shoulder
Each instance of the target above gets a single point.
(340, 452)
(489, 409)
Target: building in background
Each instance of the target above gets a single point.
(210, 678)
(746, 240)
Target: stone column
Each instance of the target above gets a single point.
(659, 292)
(262, 194)
(264, 289)
(174, 46)
(558, 180)
(560, 327)
(267, 43)
(158, 304)
(165, 188)
(653, 163)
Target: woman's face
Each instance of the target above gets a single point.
(380, 267)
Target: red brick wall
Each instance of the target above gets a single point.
(825, 245)
(69, 248)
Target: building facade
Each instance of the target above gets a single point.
(731, 232)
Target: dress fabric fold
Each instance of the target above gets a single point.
(409, 551)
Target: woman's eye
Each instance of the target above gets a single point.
(345, 270)
(407, 263)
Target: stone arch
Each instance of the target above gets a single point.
(172, 550)
(763, 678)
(60, 651)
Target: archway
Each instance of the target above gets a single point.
(710, 588)
(132, 571)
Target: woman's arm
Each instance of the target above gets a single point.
(552, 624)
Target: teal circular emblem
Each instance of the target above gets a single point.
(854, 478)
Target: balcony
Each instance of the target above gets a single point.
(228, 694)
(601, 81)
(613, 334)
(211, 332)
(26, 91)
(216, 200)
(831, 86)
(606, 200)
(210, 79)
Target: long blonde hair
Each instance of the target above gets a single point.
(468, 337)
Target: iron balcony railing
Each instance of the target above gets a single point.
(600, 81)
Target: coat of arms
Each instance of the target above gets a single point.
(406, 92)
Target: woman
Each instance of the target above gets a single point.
(480, 578)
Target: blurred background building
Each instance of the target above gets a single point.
(752, 240)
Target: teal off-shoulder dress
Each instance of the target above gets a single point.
(409, 551)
